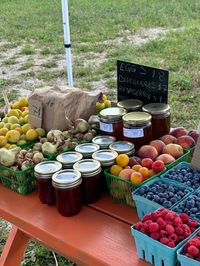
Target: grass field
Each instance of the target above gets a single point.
(163, 34)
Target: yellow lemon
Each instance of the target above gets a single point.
(26, 127)
(23, 102)
(26, 119)
(3, 141)
(100, 106)
(105, 98)
(31, 134)
(14, 126)
(15, 105)
(25, 113)
(13, 120)
(107, 103)
(3, 131)
(12, 136)
(13, 112)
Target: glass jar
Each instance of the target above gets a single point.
(91, 179)
(67, 184)
(111, 122)
(43, 173)
(131, 105)
(137, 128)
(160, 113)
(68, 159)
(103, 141)
(123, 147)
(87, 149)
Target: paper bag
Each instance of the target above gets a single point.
(58, 107)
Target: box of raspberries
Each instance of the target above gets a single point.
(189, 254)
(160, 234)
(159, 193)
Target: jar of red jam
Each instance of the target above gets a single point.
(67, 184)
(123, 147)
(68, 159)
(43, 173)
(137, 128)
(111, 122)
(131, 105)
(91, 179)
(87, 149)
(103, 141)
(160, 113)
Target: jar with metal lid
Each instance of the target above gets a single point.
(111, 121)
(67, 159)
(137, 128)
(67, 184)
(160, 113)
(123, 147)
(91, 179)
(87, 149)
(103, 141)
(131, 105)
(105, 157)
(43, 173)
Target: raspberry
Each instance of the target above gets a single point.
(144, 231)
(161, 223)
(163, 233)
(192, 223)
(180, 238)
(169, 229)
(195, 242)
(185, 247)
(164, 212)
(146, 224)
(189, 255)
(184, 217)
(171, 244)
(187, 233)
(173, 237)
(154, 216)
(146, 217)
(153, 227)
(169, 222)
(155, 235)
(169, 216)
(192, 229)
(138, 226)
(179, 231)
(193, 250)
(164, 240)
(177, 221)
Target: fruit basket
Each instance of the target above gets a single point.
(185, 157)
(121, 189)
(184, 174)
(22, 182)
(148, 197)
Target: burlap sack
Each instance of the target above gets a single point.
(57, 107)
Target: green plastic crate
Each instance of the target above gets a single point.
(121, 190)
(186, 157)
(22, 182)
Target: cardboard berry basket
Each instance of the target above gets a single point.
(121, 189)
(144, 205)
(22, 182)
(155, 252)
(184, 260)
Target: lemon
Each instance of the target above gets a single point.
(23, 102)
(15, 105)
(105, 98)
(100, 106)
(24, 113)
(107, 103)
(3, 131)
(26, 127)
(14, 126)
(13, 112)
(31, 134)
(26, 119)
(12, 136)
(2, 124)
(3, 141)
(13, 120)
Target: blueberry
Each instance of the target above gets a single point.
(173, 200)
(162, 200)
(150, 193)
(171, 189)
(176, 209)
(153, 190)
(156, 198)
(194, 210)
(170, 194)
(167, 204)
(160, 195)
(180, 193)
(149, 197)
(192, 216)
(198, 215)
(165, 195)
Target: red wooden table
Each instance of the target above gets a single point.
(99, 235)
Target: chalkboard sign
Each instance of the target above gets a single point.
(145, 83)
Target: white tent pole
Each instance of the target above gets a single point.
(67, 43)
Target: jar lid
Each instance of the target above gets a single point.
(112, 113)
(70, 157)
(87, 166)
(104, 156)
(137, 118)
(103, 141)
(87, 148)
(47, 167)
(66, 178)
(156, 108)
(130, 104)
(122, 146)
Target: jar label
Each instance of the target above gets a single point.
(133, 132)
(106, 127)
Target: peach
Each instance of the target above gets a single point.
(148, 151)
(186, 142)
(174, 150)
(158, 166)
(151, 173)
(127, 167)
(166, 158)
(178, 132)
(167, 139)
(194, 134)
(158, 144)
(147, 162)
(136, 178)
(126, 174)
(134, 160)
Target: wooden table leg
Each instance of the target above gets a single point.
(14, 248)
